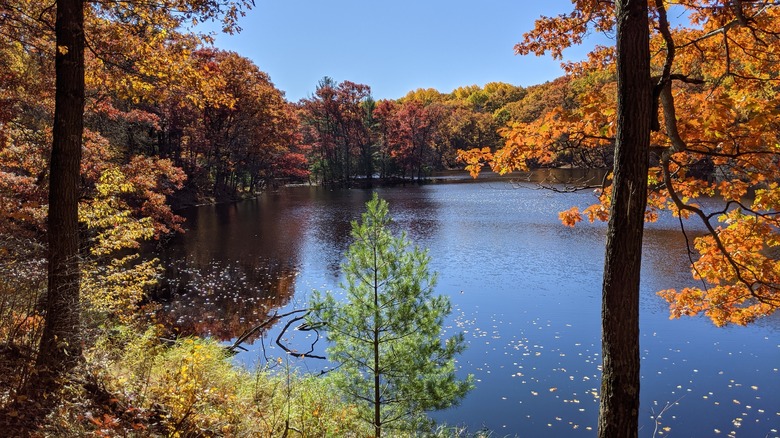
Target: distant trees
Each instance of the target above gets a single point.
(386, 334)
(241, 134)
(336, 128)
(349, 135)
(411, 134)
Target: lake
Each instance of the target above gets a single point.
(525, 291)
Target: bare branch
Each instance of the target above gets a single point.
(302, 328)
(237, 344)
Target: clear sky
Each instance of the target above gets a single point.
(394, 46)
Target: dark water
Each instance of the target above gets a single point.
(525, 289)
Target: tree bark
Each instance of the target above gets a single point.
(377, 375)
(619, 403)
(60, 345)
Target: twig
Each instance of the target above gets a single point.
(302, 327)
(665, 408)
(247, 334)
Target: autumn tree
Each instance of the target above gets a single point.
(413, 138)
(408, 133)
(468, 117)
(114, 278)
(241, 133)
(424, 96)
(462, 128)
(385, 128)
(714, 120)
(737, 134)
(26, 112)
(386, 335)
(60, 343)
(500, 94)
(619, 398)
(336, 127)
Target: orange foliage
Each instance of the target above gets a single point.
(717, 136)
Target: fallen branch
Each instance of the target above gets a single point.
(302, 327)
(248, 333)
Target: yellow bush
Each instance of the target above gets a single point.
(199, 391)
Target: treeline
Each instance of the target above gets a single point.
(182, 118)
(351, 137)
(202, 120)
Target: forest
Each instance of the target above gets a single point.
(113, 115)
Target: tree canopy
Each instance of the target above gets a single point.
(715, 124)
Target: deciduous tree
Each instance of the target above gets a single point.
(715, 122)
(60, 343)
(334, 120)
(715, 117)
(413, 138)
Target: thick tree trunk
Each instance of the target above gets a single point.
(60, 345)
(619, 403)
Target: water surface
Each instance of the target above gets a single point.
(526, 292)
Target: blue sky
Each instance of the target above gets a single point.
(395, 46)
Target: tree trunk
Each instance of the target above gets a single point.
(61, 344)
(619, 403)
(377, 379)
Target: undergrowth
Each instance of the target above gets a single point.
(130, 383)
(192, 388)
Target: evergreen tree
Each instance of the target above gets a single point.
(386, 334)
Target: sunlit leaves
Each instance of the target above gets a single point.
(475, 159)
(570, 217)
(554, 34)
(115, 284)
(718, 135)
(744, 284)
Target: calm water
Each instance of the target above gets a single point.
(525, 289)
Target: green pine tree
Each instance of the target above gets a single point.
(386, 334)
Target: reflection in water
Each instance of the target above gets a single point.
(525, 290)
(222, 300)
(234, 267)
(332, 212)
